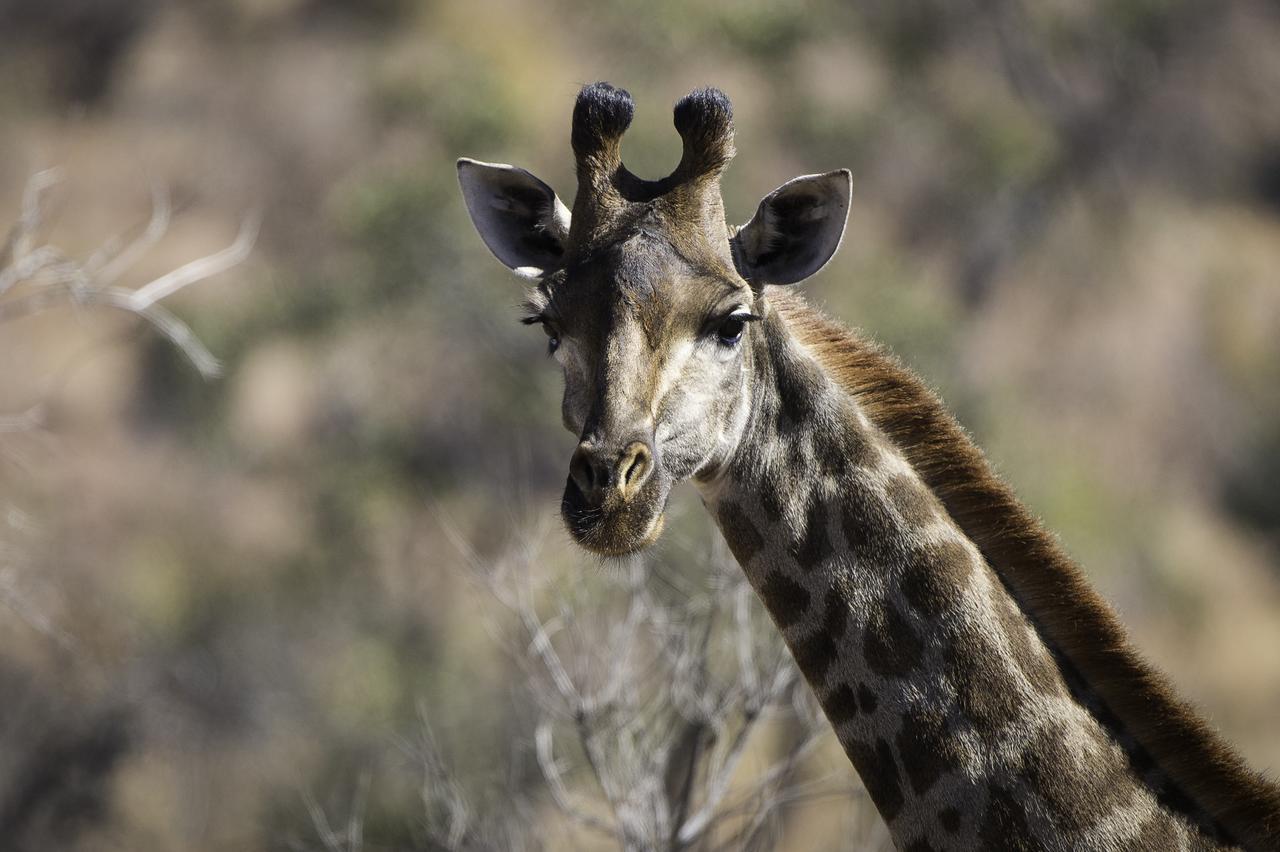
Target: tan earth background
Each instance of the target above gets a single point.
(259, 612)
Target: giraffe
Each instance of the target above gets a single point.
(984, 693)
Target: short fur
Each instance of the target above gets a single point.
(1128, 695)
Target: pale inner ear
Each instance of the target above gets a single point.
(519, 217)
(796, 229)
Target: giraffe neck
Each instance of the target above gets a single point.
(945, 698)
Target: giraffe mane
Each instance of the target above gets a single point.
(1204, 775)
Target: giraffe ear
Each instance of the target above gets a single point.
(795, 231)
(518, 216)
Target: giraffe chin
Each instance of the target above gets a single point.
(614, 529)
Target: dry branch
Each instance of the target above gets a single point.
(37, 276)
(647, 701)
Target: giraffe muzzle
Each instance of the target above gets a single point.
(614, 496)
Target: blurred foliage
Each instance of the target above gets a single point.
(1065, 218)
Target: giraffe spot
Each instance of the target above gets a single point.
(1003, 824)
(866, 524)
(814, 656)
(920, 844)
(835, 619)
(841, 705)
(1032, 657)
(815, 546)
(799, 387)
(879, 774)
(890, 645)
(949, 818)
(744, 539)
(787, 600)
(925, 749)
(982, 684)
(912, 500)
(799, 456)
(867, 699)
(857, 532)
(1077, 784)
(771, 505)
(935, 576)
(843, 450)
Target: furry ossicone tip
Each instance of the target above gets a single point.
(600, 117)
(704, 120)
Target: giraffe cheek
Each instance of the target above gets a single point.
(573, 408)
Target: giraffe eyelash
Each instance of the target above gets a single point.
(553, 334)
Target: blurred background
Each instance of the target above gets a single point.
(259, 611)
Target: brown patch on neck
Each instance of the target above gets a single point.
(1075, 622)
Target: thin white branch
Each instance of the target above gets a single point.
(320, 822)
(201, 268)
(17, 244)
(106, 264)
(28, 266)
(355, 821)
(540, 642)
(695, 825)
(178, 332)
(596, 763)
(55, 276)
(439, 787)
(544, 747)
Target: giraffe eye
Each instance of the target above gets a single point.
(553, 338)
(729, 330)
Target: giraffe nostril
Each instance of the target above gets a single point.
(582, 471)
(596, 472)
(634, 467)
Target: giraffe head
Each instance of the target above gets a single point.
(648, 300)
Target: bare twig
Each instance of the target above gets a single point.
(554, 777)
(200, 269)
(351, 838)
(35, 278)
(108, 262)
(659, 694)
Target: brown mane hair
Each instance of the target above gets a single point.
(1076, 623)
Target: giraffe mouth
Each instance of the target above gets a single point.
(616, 527)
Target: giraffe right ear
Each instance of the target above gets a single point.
(518, 216)
(795, 231)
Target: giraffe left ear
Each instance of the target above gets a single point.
(795, 231)
(518, 216)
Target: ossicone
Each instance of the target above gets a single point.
(704, 120)
(600, 117)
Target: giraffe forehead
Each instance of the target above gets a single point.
(640, 284)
